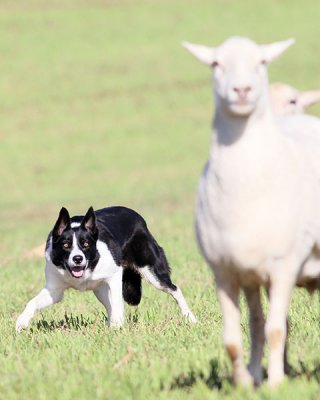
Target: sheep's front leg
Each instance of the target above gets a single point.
(276, 326)
(256, 333)
(286, 364)
(45, 298)
(228, 294)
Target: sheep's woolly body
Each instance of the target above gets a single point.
(305, 130)
(258, 203)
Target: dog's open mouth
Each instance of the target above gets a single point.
(77, 272)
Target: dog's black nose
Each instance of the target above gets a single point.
(77, 259)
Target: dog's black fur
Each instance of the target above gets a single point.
(107, 251)
(128, 239)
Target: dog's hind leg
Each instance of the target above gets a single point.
(150, 261)
(131, 286)
(163, 282)
(45, 298)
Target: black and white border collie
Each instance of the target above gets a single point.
(107, 251)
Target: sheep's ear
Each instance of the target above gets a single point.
(309, 98)
(273, 50)
(204, 54)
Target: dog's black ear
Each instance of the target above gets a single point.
(63, 222)
(89, 222)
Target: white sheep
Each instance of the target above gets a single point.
(258, 204)
(288, 100)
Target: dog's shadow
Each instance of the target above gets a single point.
(215, 380)
(77, 322)
(68, 323)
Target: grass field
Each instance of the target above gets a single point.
(100, 105)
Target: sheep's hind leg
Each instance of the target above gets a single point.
(256, 332)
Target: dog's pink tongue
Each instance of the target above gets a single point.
(78, 274)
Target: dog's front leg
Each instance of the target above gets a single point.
(102, 294)
(45, 298)
(110, 298)
(116, 314)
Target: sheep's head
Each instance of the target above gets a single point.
(288, 100)
(239, 71)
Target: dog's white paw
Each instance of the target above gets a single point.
(22, 323)
(190, 317)
(116, 323)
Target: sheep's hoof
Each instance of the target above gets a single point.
(275, 381)
(242, 377)
(256, 374)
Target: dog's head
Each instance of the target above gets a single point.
(74, 242)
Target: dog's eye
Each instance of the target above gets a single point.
(85, 244)
(66, 245)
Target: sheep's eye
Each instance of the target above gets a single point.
(293, 101)
(85, 244)
(263, 62)
(215, 64)
(66, 245)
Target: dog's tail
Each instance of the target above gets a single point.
(131, 286)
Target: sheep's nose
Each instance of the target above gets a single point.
(77, 259)
(242, 92)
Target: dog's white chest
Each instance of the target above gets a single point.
(91, 279)
(103, 271)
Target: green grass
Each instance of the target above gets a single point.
(99, 106)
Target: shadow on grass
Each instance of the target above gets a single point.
(76, 323)
(68, 323)
(133, 317)
(213, 380)
(304, 371)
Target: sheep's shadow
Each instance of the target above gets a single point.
(215, 380)
(304, 371)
